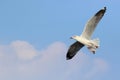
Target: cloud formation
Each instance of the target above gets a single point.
(23, 50)
(20, 60)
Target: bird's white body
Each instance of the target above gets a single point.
(85, 38)
(92, 45)
(82, 40)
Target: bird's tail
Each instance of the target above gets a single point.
(96, 45)
(96, 42)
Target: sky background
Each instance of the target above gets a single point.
(35, 36)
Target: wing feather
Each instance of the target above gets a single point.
(92, 23)
(73, 49)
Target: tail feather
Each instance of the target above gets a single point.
(96, 45)
(96, 42)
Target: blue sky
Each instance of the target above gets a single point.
(34, 38)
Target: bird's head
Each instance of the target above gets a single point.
(74, 37)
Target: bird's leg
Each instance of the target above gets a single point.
(93, 52)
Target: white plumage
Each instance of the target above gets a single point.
(85, 38)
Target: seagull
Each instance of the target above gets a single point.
(85, 38)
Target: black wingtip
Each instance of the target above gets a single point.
(105, 8)
(101, 11)
(68, 57)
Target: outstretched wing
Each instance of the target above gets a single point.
(92, 23)
(73, 49)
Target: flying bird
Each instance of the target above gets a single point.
(85, 38)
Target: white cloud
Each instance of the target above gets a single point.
(98, 67)
(20, 60)
(23, 50)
